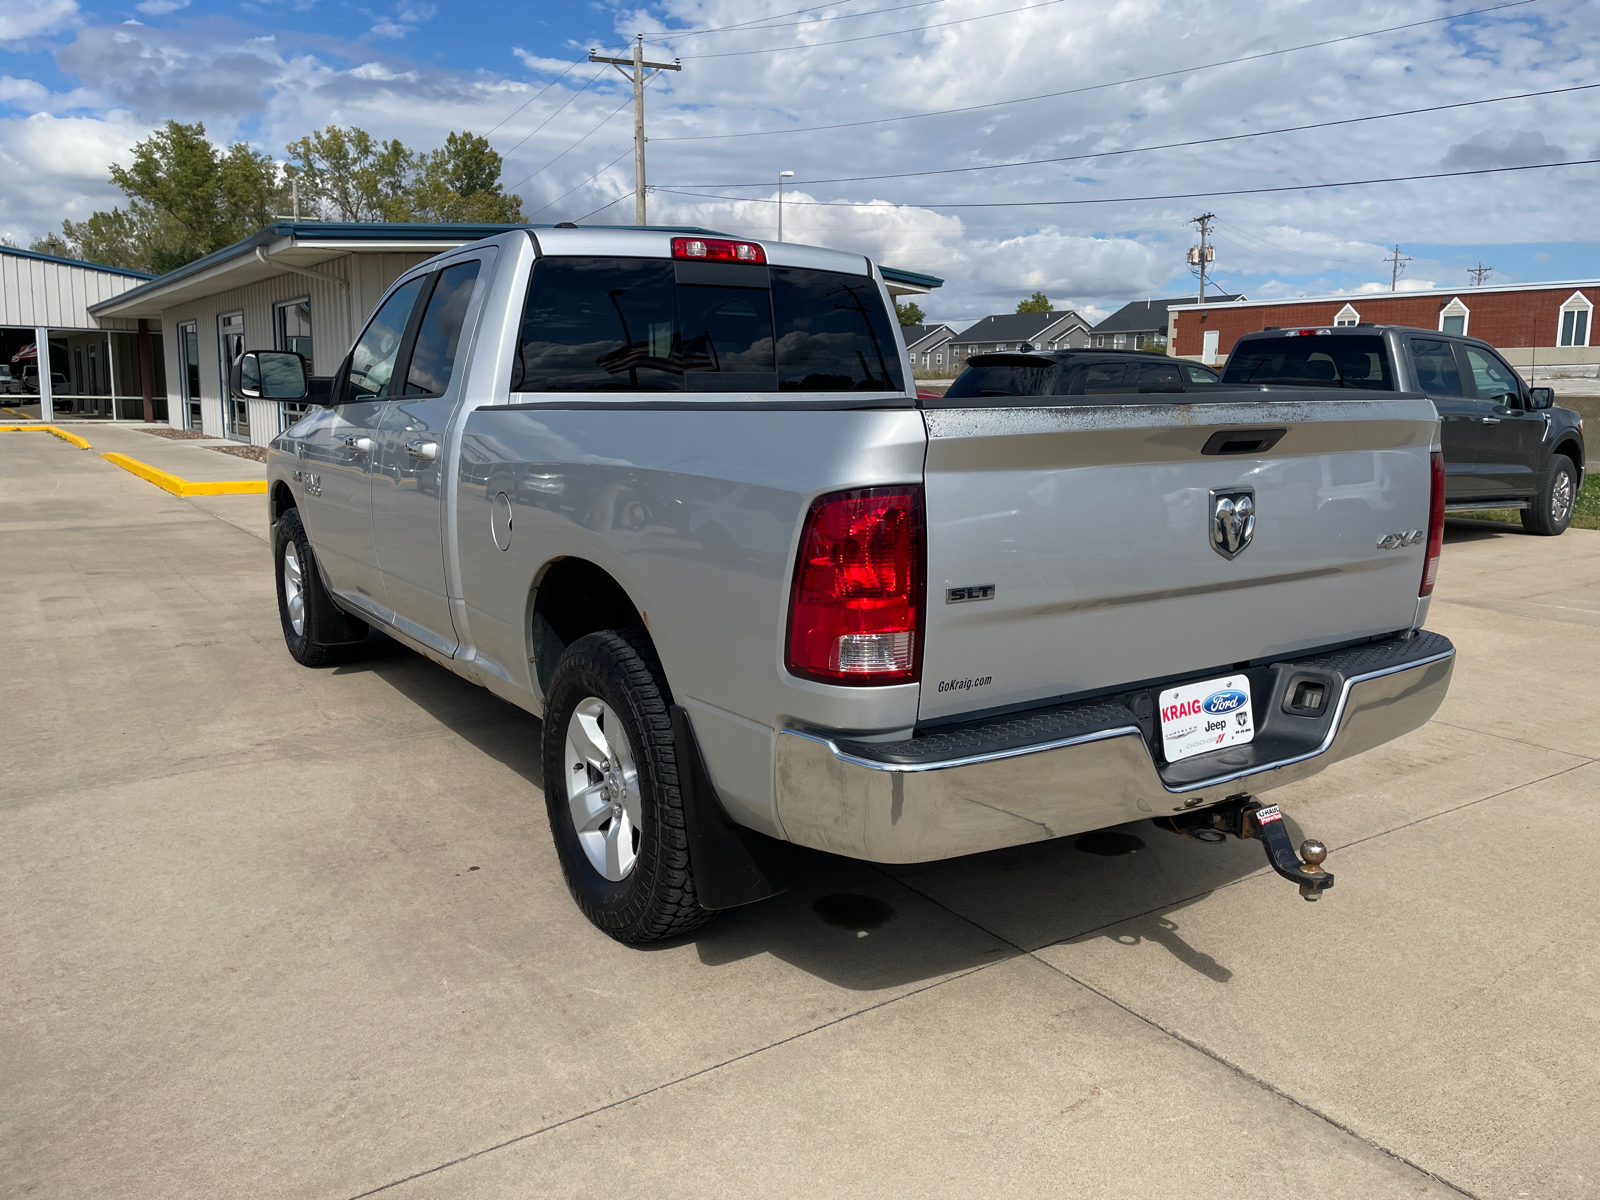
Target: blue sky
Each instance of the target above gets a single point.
(80, 82)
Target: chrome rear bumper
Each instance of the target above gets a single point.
(980, 787)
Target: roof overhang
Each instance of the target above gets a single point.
(288, 244)
(908, 283)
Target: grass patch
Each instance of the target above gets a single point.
(1585, 514)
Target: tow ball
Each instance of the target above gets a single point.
(1246, 817)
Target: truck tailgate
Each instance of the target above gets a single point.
(1070, 548)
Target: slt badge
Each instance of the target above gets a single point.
(1233, 520)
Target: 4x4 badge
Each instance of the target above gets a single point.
(1233, 520)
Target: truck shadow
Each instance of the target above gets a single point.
(866, 927)
(1469, 529)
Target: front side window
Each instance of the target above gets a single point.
(1100, 377)
(1159, 375)
(1437, 371)
(433, 357)
(1493, 379)
(372, 360)
(1200, 374)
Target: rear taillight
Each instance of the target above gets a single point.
(718, 250)
(1430, 566)
(856, 608)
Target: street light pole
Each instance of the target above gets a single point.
(782, 175)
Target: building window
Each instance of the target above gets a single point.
(1576, 315)
(1453, 317)
(1347, 316)
(1119, 341)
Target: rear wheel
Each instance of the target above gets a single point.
(611, 789)
(1550, 511)
(316, 631)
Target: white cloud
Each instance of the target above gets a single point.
(28, 91)
(159, 8)
(389, 29)
(29, 18)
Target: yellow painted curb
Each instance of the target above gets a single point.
(60, 433)
(186, 487)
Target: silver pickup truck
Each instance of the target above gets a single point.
(674, 493)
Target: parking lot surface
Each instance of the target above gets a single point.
(278, 932)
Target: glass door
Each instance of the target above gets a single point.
(230, 334)
(189, 376)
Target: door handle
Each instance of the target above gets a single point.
(1490, 420)
(358, 445)
(423, 451)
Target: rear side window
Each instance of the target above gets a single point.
(433, 358)
(1349, 362)
(627, 324)
(1101, 377)
(1159, 375)
(833, 334)
(1437, 371)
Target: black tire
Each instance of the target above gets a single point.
(657, 897)
(326, 633)
(1550, 510)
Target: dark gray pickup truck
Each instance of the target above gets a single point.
(1506, 445)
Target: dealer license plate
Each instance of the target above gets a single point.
(1199, 717)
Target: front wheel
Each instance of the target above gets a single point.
(316, 631)
(1550, 511)
(612, 793)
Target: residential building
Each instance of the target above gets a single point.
(1054, 330)
(1548, 325)
(1142, 325)
(928, 346)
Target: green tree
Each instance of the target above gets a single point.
(1038, 302)
(348, 175)
(910, 313)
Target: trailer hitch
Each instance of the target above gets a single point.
(1244, 816)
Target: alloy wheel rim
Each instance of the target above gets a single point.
(603, 789)
(294, 592)
(1561, 496)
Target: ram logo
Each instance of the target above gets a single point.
(1233, 520)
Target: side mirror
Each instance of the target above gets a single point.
(268, 375)
(1542, 397)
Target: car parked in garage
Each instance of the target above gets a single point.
(1506, 445)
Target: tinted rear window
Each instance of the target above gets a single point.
(1004, 381)
(1343, 361)
(627, 324)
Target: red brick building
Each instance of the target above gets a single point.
(1549, 322)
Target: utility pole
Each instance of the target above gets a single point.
(1479, 273)
(1205, 253)
(782, 175)
(1398, 261)
(638, 75)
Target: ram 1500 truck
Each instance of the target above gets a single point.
(1506, 445)
(675, 493)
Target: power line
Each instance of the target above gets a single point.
(1294, 187)
(1168, 146)
(584, 184)
(603, 207)
(574, 145)
(1230, 137)
(867, 37)
(753, 26)
(557, 113)
(535, 96)
(945, 112)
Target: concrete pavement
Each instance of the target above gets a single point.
(298, 933)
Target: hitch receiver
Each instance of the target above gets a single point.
(1244, 816)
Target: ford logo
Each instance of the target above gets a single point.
(1225, 701)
